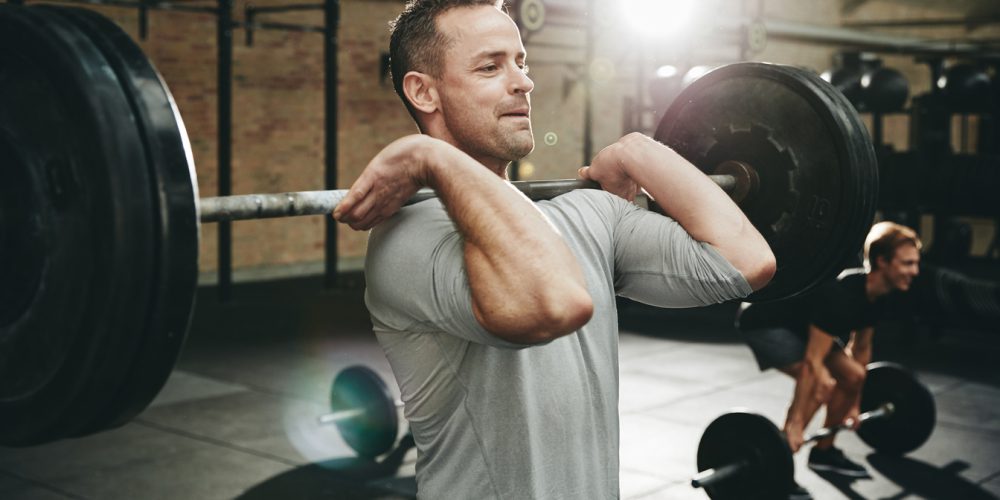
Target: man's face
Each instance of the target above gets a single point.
(484, 86)
(904, 266)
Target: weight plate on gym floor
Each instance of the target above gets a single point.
(815, 162)
(173, 190)
(741, 436)
(81, 215)
(912, 421)
(367, 411)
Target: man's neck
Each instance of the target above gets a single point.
(495, 165)
(498, 167)
(876, 285)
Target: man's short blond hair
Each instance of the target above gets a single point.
(883, 240)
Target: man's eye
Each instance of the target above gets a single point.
(490, 67)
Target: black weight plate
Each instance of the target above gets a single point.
(743, 436)
(70, 144)
(174, 191)
(817, 168)
(912, 422)
(373, 430)
(865, 178)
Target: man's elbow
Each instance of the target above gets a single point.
(760, 270)
(568, 314)
(549, 319)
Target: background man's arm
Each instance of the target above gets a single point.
(861, 345)
(812, 387)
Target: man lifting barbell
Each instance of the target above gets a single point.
(823, 339)
(785, 145)
(502, 333)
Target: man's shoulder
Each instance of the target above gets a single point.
(593, 199)
(852, 274)
(416, 214)
(852, 281)
(418, 222)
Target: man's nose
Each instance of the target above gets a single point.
(520, 83)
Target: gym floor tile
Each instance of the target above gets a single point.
(701, 409)
(992, 486)
(657, 447)
(966, 451)
(261, 423)
(681, 490)
(640, 391)
(184, 386)
(635, 484)
(728, 363)
(141, 462)
(970, 404)
(15, 488)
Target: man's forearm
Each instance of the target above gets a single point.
(805, 400)
(861, 345)
(526, 283)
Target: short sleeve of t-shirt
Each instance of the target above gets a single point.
(416, 277)
(659, 263)
(834, 311)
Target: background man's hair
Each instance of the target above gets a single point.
(415, 43)
(883, 240)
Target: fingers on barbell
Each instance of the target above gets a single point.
(347, 209)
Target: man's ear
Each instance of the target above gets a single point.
(420, 91)
(881, 262)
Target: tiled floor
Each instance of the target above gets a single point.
(237, 418)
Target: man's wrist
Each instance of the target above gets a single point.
(428, 158)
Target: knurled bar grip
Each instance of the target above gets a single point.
(266, 206)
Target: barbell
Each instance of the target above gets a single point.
(100, 215)
(744, 455)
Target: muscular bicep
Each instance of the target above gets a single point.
(658, 263)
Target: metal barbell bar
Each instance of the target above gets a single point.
(292, 204)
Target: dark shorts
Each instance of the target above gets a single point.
(778, 347)
(775, 347)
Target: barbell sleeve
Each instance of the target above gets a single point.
(880, 412)
(708, 477)
(292, 204)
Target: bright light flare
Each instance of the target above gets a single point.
(666, 71)
(659, 18)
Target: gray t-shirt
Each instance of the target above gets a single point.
(493, 419)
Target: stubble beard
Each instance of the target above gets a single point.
(517, 143)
